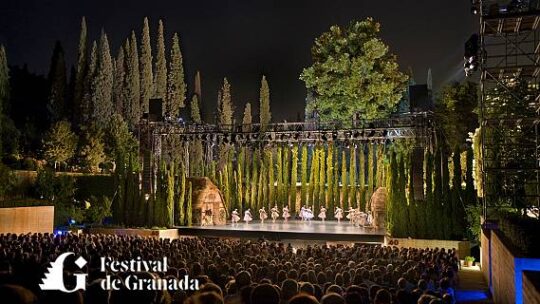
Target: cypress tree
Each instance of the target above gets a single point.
(414, 224)
(197, 85)
(86, 106)
(294, 177)
(344, 184)
(119, 81)
(195, 110)
(170, 196)
(393, 212)
(226, 110)
(330, 180)
(437, 195)
(102, 84)
(132, 107)
(304, 175)
(279, 174)
(57, 82)
(145, 67)
(322, 179)
(176, 86)
(458, 210)
(403, 214)
(286, 175)
(180, 207)
(352, 176)
(247, 120)
(189, 207)
(254, 182)
(265, 116)
(370, 167)
(260, 188)
(80, 72)
(446, 195)
(271, 178)
(160, 76)
(470, 194)
(362, 178)
(315, 170)
(4, 86)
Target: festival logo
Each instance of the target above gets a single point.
(54, 277)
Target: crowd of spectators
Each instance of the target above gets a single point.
(233, 271)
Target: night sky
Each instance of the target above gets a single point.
(243, 39)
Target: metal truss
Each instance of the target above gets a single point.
(510, 56)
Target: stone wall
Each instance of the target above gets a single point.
(502, 270)
(39, 219)
(463, 247)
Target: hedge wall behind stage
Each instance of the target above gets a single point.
(94, 185)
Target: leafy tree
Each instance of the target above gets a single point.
(121, 145)
(265, 116)
(176, 86)
(145, 67)
(99, 209)
(92, 151)
(247, 120)
(102, 85)
(195, 110)
(353, 72)
(225, 109)
(57, 82)
(160, 76)
(455, 109)
(60, 143)
(80, 71)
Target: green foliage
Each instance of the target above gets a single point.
(344, 184)
(160, 77)
(362, 177)
(57, 81)
(176, 86)
(195, 110)
(352, 177)
(304, 175)
(170, 197)
(145, 69)
(60, 143)
(189, 207)
(86, 103)
(265, 116)
(370, 167)
(294, 178)
(132, 88)
(119, 81)
(99, 209)
(353, 72)
(330, 180)
(60, 191)
(102, 85)
(455, 112)
(473, 213)
(247, 120)
(80, 71)
(92, 151)
(181, 198)
(225, 107)
(7, 180)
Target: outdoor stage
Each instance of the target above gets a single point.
(291, 230)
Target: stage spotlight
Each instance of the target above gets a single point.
(471, 55)
(334, 136)
(475, 7)
(324, 137)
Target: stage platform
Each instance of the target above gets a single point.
(291, 230)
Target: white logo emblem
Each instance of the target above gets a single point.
(54, 277)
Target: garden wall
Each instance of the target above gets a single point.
(505, 269)
(27, 219)
(463, 247)
(161, 233)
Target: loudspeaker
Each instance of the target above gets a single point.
(418, 173)
(155, 109)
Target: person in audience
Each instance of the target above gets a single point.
(233, 271)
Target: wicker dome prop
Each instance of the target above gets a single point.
(378, 207)
(208, 204)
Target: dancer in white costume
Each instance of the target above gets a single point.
(275, 213)
(286, 214)
(302, 213)
(308, 214)
(247, 216)
(322, 213)
(235, 217)
(262, 214)
(363, 219)
(350, 214)
(369, 219)
(338, 214)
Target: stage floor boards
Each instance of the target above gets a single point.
(314, 230)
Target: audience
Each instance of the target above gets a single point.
(233, 271)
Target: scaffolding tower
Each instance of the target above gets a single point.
(509, 51)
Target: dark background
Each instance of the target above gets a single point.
(243, 39)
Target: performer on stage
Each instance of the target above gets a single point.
(262, 214)
(235, 217)
(286, 214)
(275, 213)
(302, 213)
(350, 214)
(247, 216)
(322, 213)
(369, 218)
(308, 214)
(338, 214)
(363, 219)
